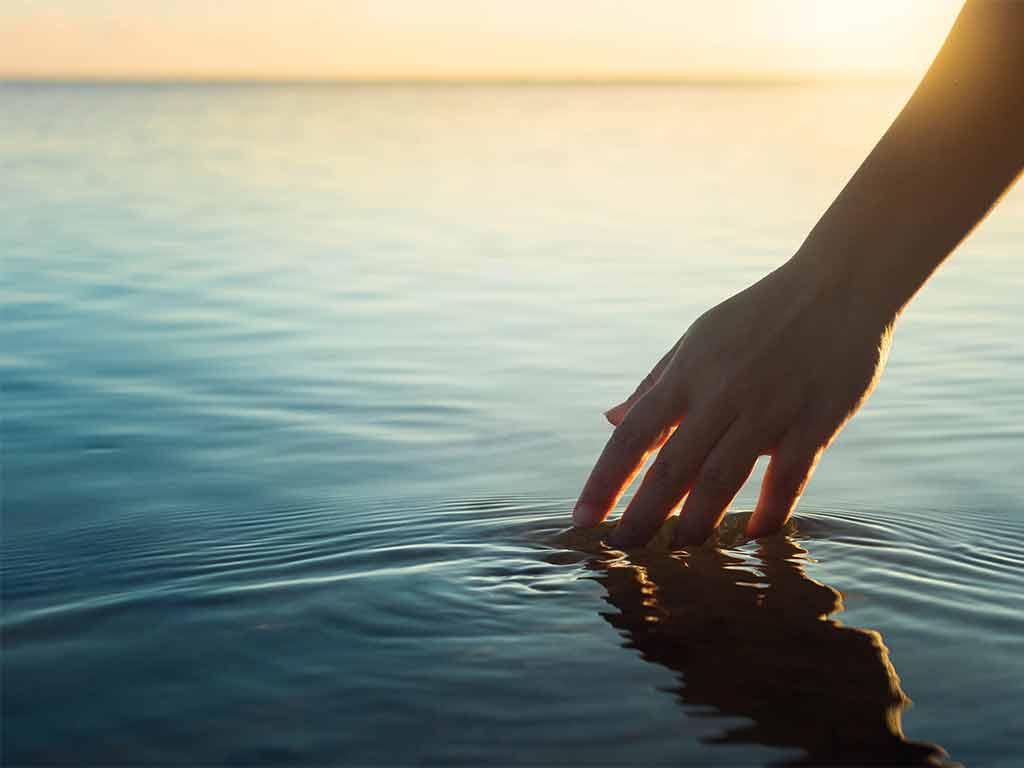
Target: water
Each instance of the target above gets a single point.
(300, 382)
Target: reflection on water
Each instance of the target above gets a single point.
(750, 634)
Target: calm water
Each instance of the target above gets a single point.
(299, 385)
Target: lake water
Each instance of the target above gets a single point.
(300, 384)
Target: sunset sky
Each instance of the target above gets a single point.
(436, 39)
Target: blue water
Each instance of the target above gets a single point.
(300, 383)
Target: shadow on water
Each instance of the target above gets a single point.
(749, 633)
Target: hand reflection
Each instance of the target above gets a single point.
(749, 634)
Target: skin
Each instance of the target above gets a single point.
(779, 368)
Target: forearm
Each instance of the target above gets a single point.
(956, 147)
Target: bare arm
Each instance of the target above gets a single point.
(779, 368)
(953, 151)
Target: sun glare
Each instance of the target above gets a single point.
(474, 39)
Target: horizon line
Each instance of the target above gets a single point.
(511, 79)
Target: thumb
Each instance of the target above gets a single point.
(617, 413)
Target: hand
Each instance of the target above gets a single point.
(777, 369)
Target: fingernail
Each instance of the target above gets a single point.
(614, 414)
(583, 515)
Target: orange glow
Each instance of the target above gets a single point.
(738, 39)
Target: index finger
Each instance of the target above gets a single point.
(644, 429)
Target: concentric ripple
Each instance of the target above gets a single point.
(368, 601)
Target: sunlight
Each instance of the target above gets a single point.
(865, 37)
(487, 39)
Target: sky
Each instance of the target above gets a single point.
(472, 39)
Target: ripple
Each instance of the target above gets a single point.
(477, 566)
(340, 539)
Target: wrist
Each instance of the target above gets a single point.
(861, 288)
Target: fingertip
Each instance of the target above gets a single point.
(689, 535)
(756, 530)
(766, 521)
(753, 530)
(624, 537)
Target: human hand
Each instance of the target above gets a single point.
(777, 369)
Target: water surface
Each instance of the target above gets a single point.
(300, 382)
